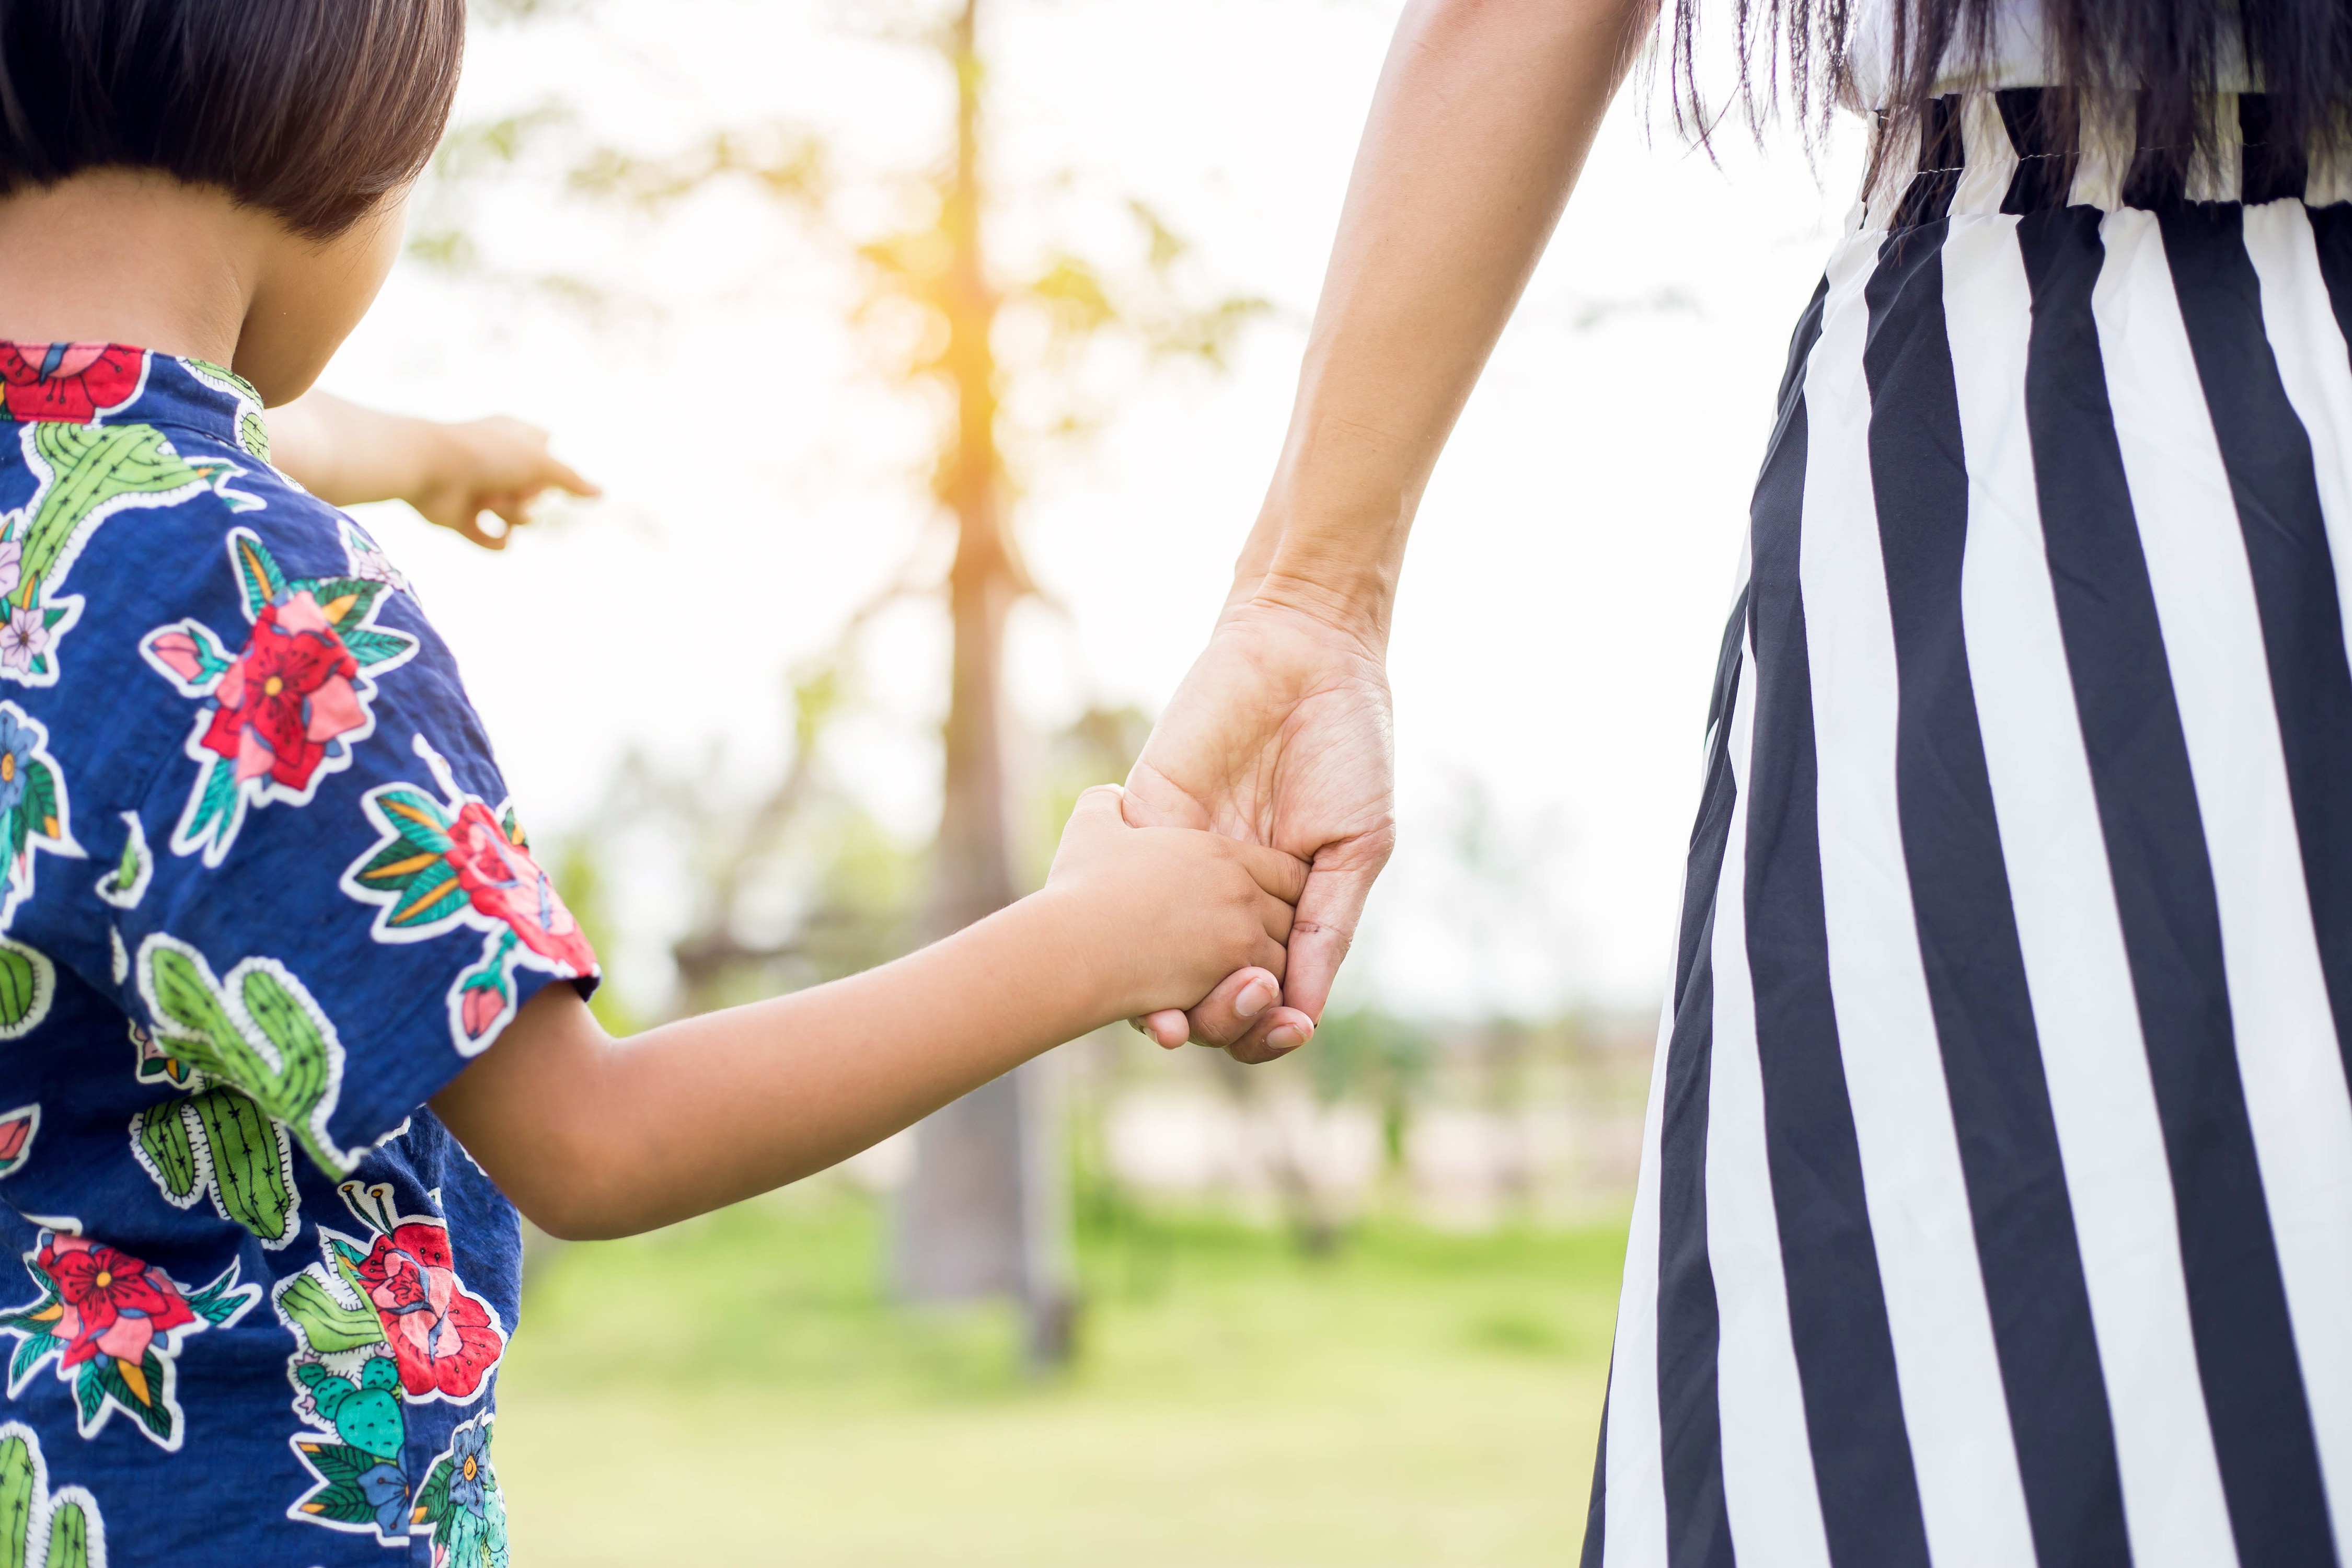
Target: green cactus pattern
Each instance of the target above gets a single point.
(219, 1144)
(95, 470)
(329, 1325)
(88, 473)
(364, 1410)
(126, 884)
(252, 430)
(258, 1031)
(39, 1529)
(27, 984)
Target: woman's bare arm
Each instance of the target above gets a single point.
(1484, 115)
(1484, 112)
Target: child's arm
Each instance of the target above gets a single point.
(347, 455)
(596, 1136)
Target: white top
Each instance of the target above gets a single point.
(2019, 55)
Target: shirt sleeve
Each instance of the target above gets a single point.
(324, 898)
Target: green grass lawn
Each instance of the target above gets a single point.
(736, 1391)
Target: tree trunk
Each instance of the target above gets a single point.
(986, 1212)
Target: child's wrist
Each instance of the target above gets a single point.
(430, 452)
(1086, 976)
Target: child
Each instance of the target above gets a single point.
(281, 1052)
(451, 474)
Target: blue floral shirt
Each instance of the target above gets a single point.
(261, 896)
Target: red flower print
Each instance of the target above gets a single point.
(442, 1337)
(113, 1305)
(16, 1132)
(289, 694)
(67, 381)
(481, 1006)
(506, 884)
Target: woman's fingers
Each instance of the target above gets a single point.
(1244, 1016)
(1277, 1032)
(1166, 1028)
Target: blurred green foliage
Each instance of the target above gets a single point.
(1376, 1057)
(739, 1390)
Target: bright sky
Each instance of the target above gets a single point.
(1568, 573)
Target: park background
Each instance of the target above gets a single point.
(1351, 1307)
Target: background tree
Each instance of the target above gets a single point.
(984, 1212)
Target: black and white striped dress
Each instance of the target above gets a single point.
(1996, 1194)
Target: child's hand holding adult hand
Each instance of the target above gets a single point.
(1162, 914)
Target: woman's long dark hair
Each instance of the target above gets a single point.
(2162, 56)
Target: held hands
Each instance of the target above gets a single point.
(1161, 915)
(596, 1136)
(1282, 735)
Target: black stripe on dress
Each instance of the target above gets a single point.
(2269, 170)
(1942, 161)
(2040, 122)
(1837, 1309)
(1968, 945)
(1596, 1512)
(2276, 485)
(1690, 1425)
(1693, 1467)
(2166, 901)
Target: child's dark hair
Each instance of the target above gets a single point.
(310, 109)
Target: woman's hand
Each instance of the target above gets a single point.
(1280, 735)
(452, 474)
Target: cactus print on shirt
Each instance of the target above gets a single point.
(257, 907)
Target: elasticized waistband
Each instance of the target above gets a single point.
(2023, 150)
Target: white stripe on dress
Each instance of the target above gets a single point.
(1769, 1490)
(2300, 322)
(2084, 1008)
(2287, 1054)
(1633, 1479)
(1970, 1494)
(2311, 351)
(1991, 160)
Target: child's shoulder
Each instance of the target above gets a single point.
(136, 491)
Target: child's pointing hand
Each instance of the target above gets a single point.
(348, 454)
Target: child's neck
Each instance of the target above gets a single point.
(125, 256)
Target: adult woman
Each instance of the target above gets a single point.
(1996, 1200)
